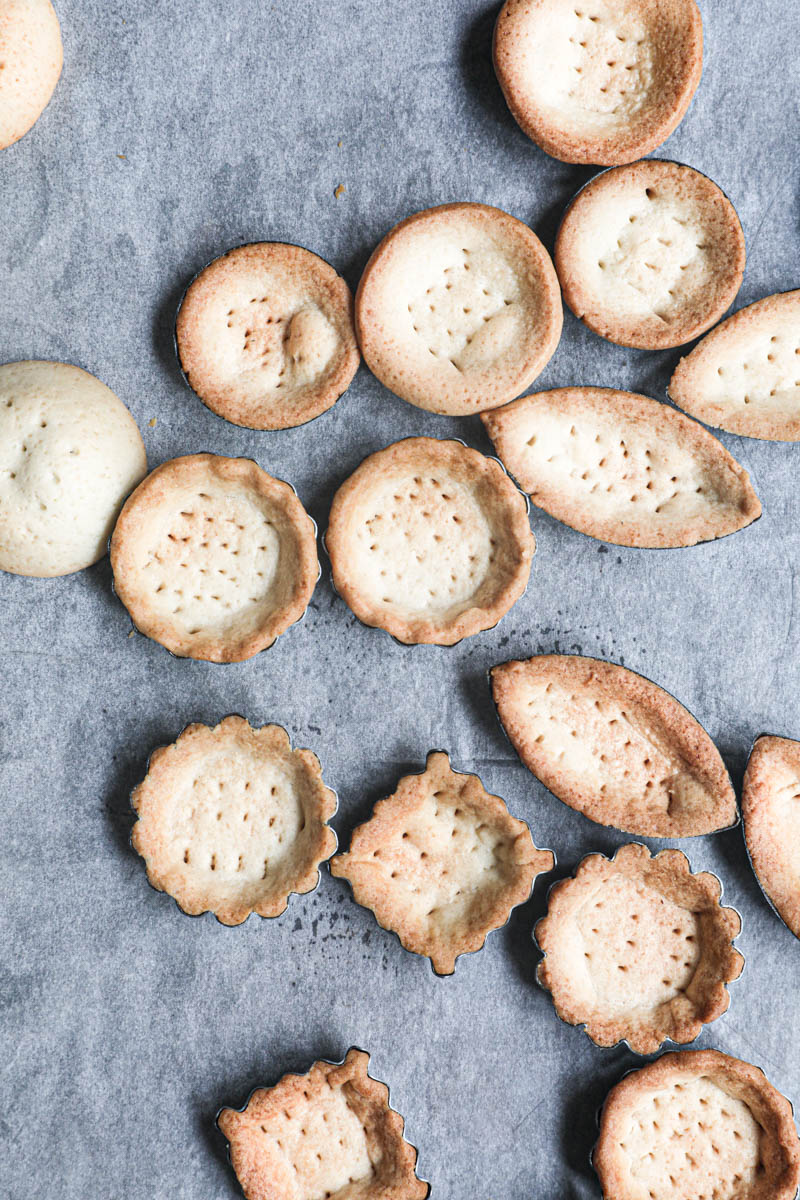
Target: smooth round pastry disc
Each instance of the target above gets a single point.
(30, 64)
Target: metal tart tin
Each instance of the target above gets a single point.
(764, 891)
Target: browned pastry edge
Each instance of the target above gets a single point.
(472, 467)
(624, 146)
(148, 496)
(667, 874)
(270, 739)
(756, 799)
(772, 1111)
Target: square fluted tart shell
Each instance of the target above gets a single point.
(430, 540)
(614, 746)
(771, 815)
(638, 948)
(214, 558)
(697, 1123)
(604, 82)
(650, 255)
(441, 863)
(458, 309)
(265, 336)
(330, 1132)
(744, 376)
(232, 820)
(622, 467)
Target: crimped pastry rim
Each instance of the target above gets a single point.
(351, 359)
(609, 662)
(331, 792)
(547, 278)
(697, 434)
(307, 544)
(611, 150)
(427, 632)
(495, 929)
(353, 1049)
(688, 333)
(624, 1041)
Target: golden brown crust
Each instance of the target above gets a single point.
(722, 1100)
(552, 61)
(254, 831)
(638, 948)
(190, 516)
(650, 255)
(441, 863)
(744, 376)
(285, 1143)
(430, 541)
(265, 336)
(771, 816)
(614, 746)
(622, 467)
(458, 309)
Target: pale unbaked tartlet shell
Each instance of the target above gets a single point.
(723, 234)
(469, 465)
(629, 414)
(689, 385)
(31, 55)
(153, 800)
(393, 1157)
(195, 328)
(770, 1108)
(70, 452)
(681, 64)
(146, 501)
(778, 876)
(668, 876)
(690, 742)
(472, 392)
(387, 824)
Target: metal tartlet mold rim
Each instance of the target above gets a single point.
(623, 1041)
(300, 1074)
(209, 912)
(432, 645)
(176, 348)
(215, 662)
(761, 887)
(628, 832)
(414, 953)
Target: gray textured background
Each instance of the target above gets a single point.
(126, 1023)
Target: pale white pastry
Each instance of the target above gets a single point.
(70, 452)
(31, 57)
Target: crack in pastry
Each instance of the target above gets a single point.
(214, 558)
(441, 863)
(771, 815)
(744, 376)
(622, 467)
(614, 746)
(327, 1135)
(70, 452)
(650, 255)
(600, 82)
(265, 336)
(697, 1125)
(231, 820)
(638, 948)
(31, 58)
(430, 541)
(458, 309)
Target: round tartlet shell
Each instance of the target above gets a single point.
(774, 1111)
(505, 387)
(760, 848)
(470, 465)
(47, 68)
(623, 146)
(646, 334)
(223, 400)
(148, 495)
